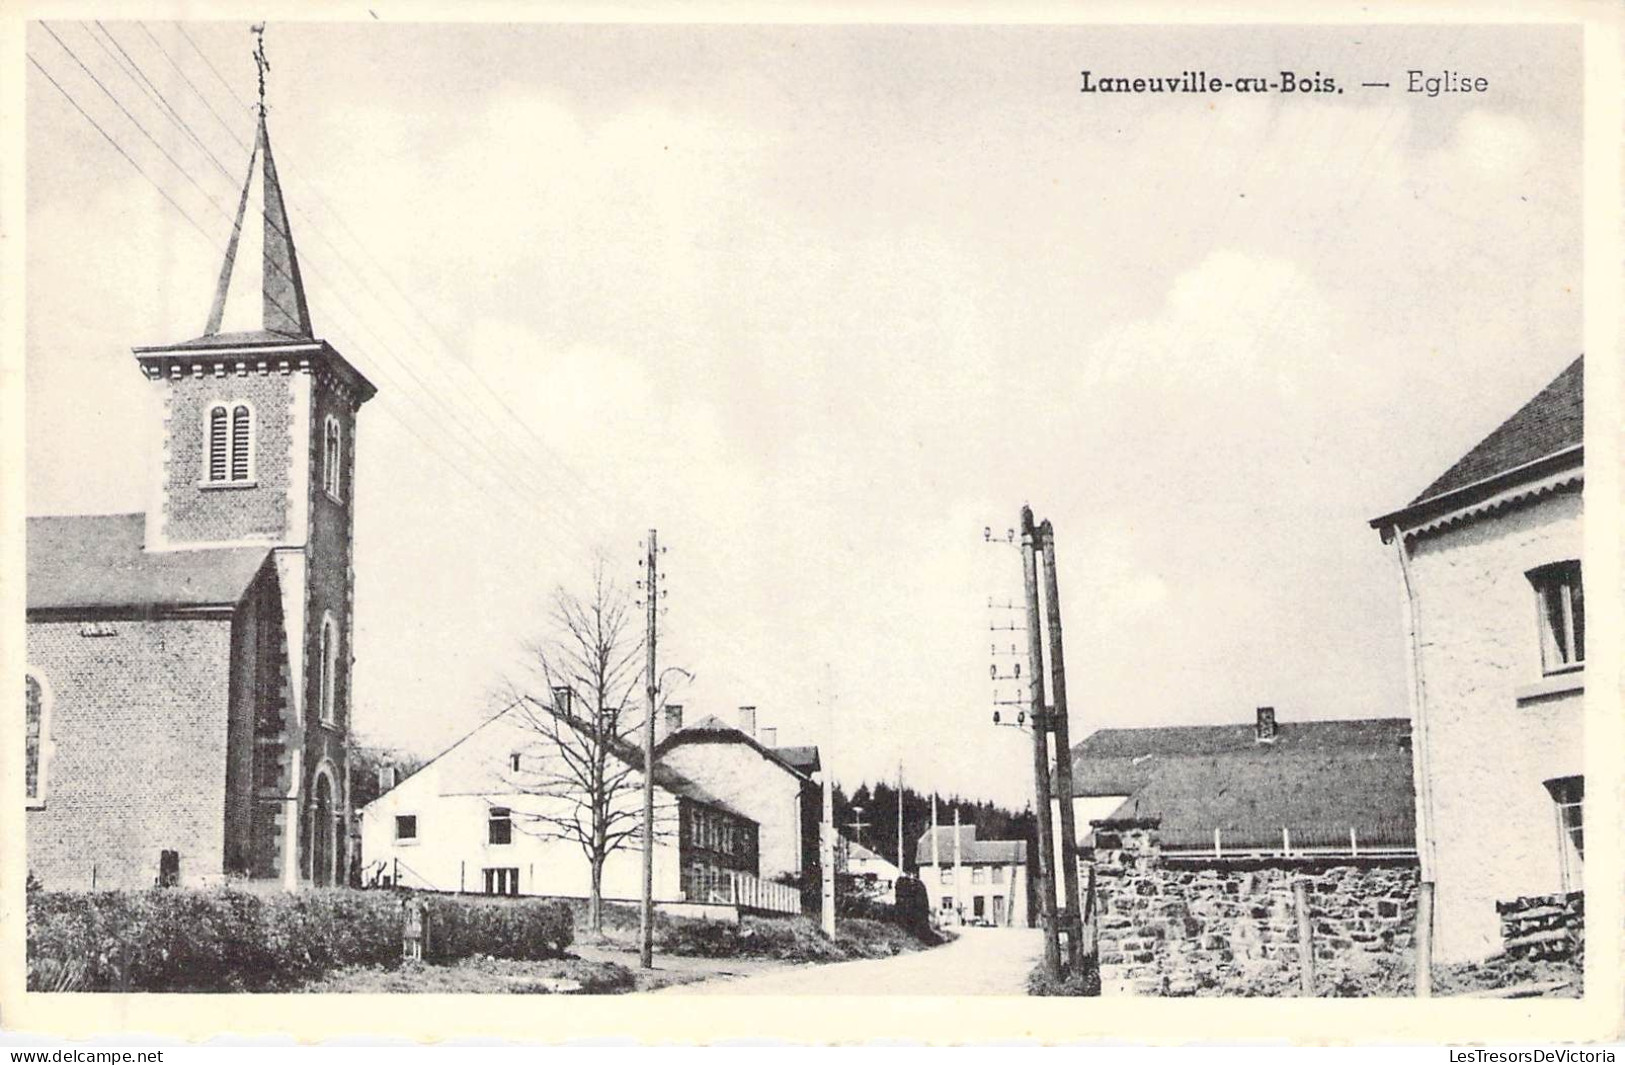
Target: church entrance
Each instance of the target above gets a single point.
(322, 835)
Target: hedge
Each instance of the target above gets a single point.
(231, 940)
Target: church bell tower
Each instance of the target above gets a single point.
(258, 452)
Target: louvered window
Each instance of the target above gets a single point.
(230, 454)
(219, 443)
(241, 424)
(329, 667)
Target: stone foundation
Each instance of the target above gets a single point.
(1172, 924)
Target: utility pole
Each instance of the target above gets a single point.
(1080, 943)
(646, 922)
(959, 906)
(901, 867)
(1040, 721)
(826, 831)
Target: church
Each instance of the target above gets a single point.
(188, 669)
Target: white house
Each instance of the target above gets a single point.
(775, 786)
(1488, 567)
(877, 876)
(974, 881)
(465, 822)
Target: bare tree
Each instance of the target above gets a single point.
(586, 724)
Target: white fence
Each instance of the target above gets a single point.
(741, 889)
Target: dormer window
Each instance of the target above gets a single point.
(1560, 599)
(229, 445)
(332, 460)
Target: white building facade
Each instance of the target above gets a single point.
(1489, 566)
(972, 881)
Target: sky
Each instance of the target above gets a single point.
(820, 304)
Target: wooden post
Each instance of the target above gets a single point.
(1424, 940)
(1040, 724)
(646, 911)
(1306, 938)
(1076, 936)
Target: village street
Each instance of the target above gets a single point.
(982, 961)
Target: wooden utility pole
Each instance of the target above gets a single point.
(1040, 722)
(901, 867)
(646, 922)
(826, 830)
(1078, 941)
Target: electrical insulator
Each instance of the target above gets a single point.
(1021, 718)
(993, 672)
(995, 717)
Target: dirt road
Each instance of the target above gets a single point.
(982, 961)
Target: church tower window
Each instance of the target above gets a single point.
(332, 460)
(329, 668)
(229, 450)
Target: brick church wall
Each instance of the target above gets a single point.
(216, 514)
(137, 733)
(1183, 926)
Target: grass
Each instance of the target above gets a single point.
(484, 976)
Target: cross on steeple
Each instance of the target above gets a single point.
(264, 64)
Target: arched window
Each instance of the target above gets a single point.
(332, 459)
(329, 668)
(37, 738)
(229, 449)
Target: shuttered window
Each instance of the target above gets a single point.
(219, 443)
(241, 435)
(230, 447)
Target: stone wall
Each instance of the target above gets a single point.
(1544, 927)
(1171, 925)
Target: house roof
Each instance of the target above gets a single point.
(1318, 780)
(482, 777)
(803, 758)
(712, 729)
(98, 563)
(1541, 437)
(970, 849)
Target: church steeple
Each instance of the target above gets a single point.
(260, 291)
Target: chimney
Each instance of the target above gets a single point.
(561, 699)
(747, 721)
(1264, 731)
(674, 719)
(770, 736)
(386, 778)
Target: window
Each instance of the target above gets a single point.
(1560, 598)
(228, 451)
(329, 665)
(36, 715)
(1568, 793)
(998, 874)
(978, 874)
(332, 460)
(947, 902)
(946, 874)
(406, 826)
(502, 881)
(499, 826)
(513, 762)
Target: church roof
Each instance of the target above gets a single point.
(260, 296)
(97, 563)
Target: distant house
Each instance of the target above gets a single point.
(974, 880)
(1488, 565)
(777, 786)
(875, 876)
(1282, 789)
(464, 823)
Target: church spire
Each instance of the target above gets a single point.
(260, 290)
